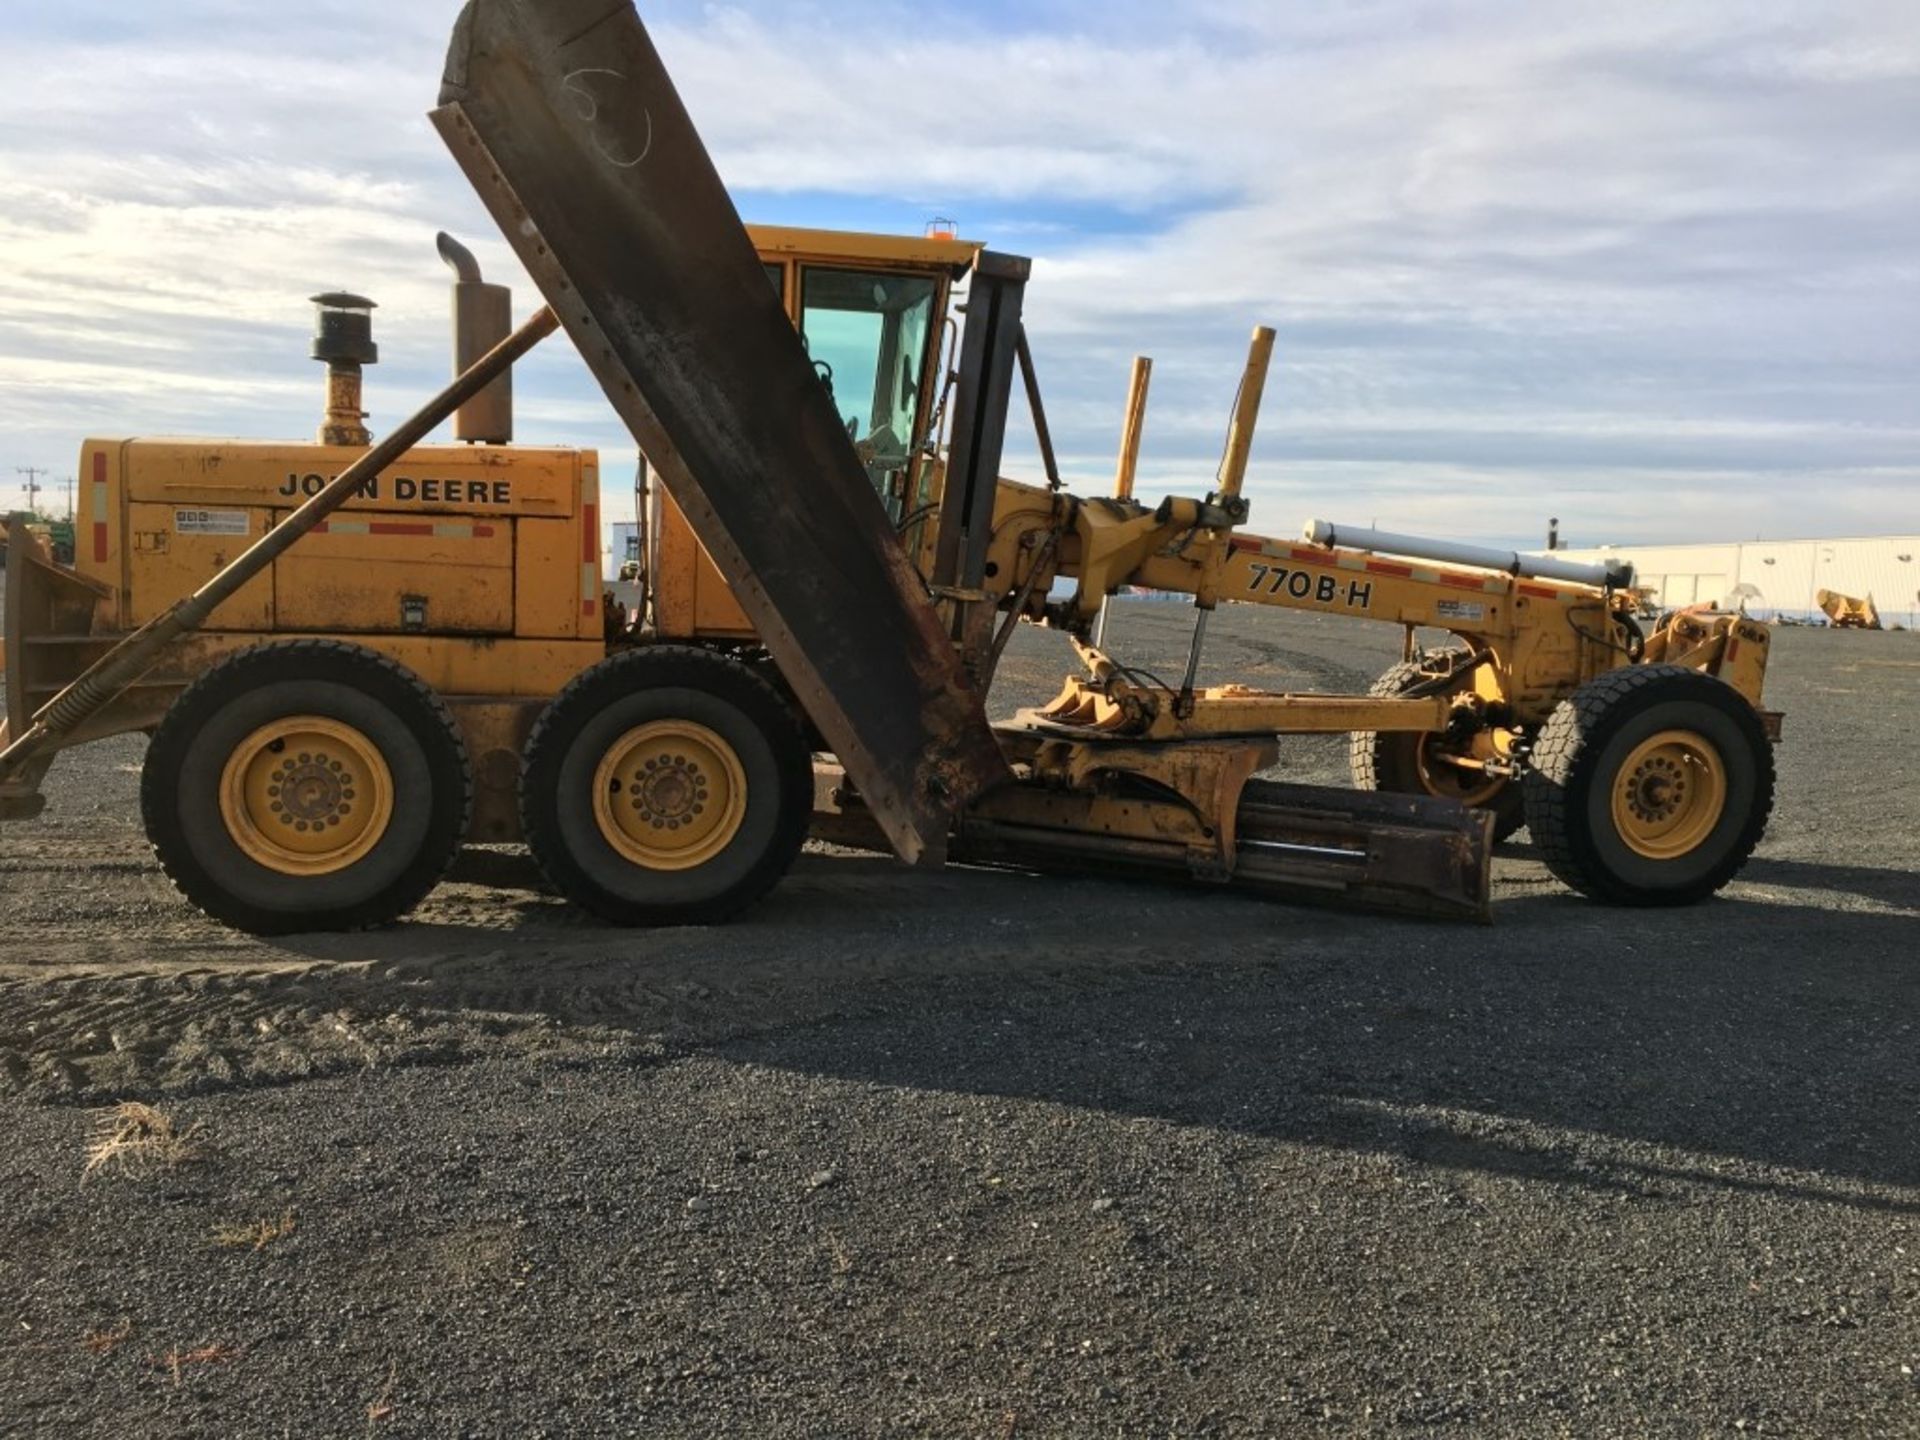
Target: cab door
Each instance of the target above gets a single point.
(870, 332)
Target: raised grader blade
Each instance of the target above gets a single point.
(567, 123)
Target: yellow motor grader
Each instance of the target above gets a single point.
(354, 658)
(1848, 612)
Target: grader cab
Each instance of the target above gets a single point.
(354, 659)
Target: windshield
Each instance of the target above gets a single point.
(867, 333)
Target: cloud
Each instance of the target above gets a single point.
(1648, 267)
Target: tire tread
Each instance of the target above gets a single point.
(1556, 776)
(690, 667)
(206, 695)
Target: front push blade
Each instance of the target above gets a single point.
(565, 119)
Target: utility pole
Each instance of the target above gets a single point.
(33, 475)
(69, 499)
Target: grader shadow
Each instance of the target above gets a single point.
(1634, 1052)
(1743, 1048)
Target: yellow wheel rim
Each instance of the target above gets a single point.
(1669, 795)
(670, 795)
(306, 796)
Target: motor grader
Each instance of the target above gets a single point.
(356, 657)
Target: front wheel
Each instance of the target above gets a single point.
(667, 786)
(1651, 786)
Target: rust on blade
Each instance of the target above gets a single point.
(1400, 854)
(565, 119)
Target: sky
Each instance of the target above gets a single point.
(1651, 268)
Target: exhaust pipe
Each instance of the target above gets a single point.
(482, 318)
(343, 341)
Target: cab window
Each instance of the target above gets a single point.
(867, 335)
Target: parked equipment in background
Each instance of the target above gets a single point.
(1844, 612)
(52, 539)
(831, 566)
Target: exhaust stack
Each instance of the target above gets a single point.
(343, 339)
(482, 318)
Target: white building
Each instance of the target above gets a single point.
(1777, 577)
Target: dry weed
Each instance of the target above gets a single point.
(257, 1236)
(139, 1138)
(95, 1342)
(841, 1257)
(383, 1408)
(176, 1361)
(105, 1342)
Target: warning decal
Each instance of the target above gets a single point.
(211, 522)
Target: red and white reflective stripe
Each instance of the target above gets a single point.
(1366, 565)
(589, 557)
(413, 529)
(101, 535)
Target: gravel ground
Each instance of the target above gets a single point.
(988, 1155)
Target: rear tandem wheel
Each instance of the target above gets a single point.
(667, 786)
(306, 786)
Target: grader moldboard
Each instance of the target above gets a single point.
(355, 657)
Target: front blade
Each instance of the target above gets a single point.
(566, 121)
(1399, 853)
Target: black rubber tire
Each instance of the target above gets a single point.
(628, 691)
(386, 702)
(1389, 763)
(1576, 760)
